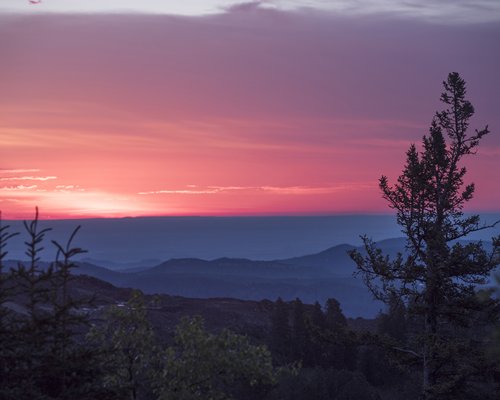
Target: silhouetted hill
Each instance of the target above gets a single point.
(102, 273)
(313, 277)
(248, 317)
(124, 266)
(334, 260)
(310, 278)
(103, 293)
(231, 266)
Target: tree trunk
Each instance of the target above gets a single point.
(431, 300)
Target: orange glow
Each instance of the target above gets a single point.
(112, 116)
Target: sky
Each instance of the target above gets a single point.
(212, 107)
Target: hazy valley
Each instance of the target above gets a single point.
(312, 277)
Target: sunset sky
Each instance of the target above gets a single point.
(210, 107)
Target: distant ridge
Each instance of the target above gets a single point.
(332, 260)
(312, 277)
(133, 266)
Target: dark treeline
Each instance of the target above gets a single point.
(336, 361)
(341, 361)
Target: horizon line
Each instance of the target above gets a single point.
(242, 216)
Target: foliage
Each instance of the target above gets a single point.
(198, 365)
(6, 332)
(437, 278)
(281, 334)
(334, 317)
(201, 365)
(324, 384)
(127, 348)
(312, 337)
(393, 323)
(300, 336)
(42, 357)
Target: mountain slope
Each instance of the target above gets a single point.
(311, 278)
(314, 277)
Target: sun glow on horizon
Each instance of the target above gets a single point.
(74, 202)
(249, 111)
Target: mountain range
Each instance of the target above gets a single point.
(314, 277)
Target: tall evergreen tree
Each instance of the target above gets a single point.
(318, 317)
(41, 356)
(438, 276)
(300, 337)
(32, 326)
(281, 335)
(393, 323)
(341, 348)
(335, 319)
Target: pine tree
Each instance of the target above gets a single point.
(437, 278)
(7, 353)
(300, 337)
(280, 340)
(335, 319)
(32, 327)
(316, 326)
(393, 323)
(317, 317)
(41, 354)
(341, 347)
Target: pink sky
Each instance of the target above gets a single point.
(248, 112)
